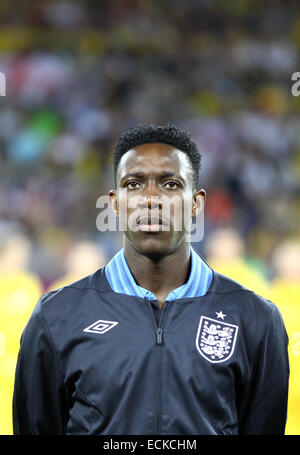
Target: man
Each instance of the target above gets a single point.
(155, 342)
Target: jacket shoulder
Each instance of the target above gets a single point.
(222, 284)
(95, 283)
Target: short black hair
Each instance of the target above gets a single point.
(167, 134)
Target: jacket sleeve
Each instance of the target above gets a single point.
(262, 401)
(39, 401)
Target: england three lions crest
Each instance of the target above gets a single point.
(216, 340)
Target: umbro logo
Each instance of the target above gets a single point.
(100, 326)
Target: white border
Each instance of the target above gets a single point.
(90, 327)
(218, 322)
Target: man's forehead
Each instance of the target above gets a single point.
(147, 154)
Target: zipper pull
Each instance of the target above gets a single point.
(159, 336)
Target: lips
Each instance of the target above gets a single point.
(151, 225)
(152, 221)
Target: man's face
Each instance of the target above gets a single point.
(155, 197)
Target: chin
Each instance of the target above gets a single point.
(154, 246)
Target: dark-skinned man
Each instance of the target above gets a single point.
(155, 342)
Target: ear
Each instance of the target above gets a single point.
(199, 198)
(113, 200)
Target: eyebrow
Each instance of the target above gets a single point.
(142, 174)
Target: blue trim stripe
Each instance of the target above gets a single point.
(132, 286)
(124, 271)
(122, 281)
(185, 289)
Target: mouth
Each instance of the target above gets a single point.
(151, 224)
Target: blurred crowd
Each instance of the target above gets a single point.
(79, 73)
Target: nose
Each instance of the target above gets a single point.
(151, 197)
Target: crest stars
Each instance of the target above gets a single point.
(220, 314)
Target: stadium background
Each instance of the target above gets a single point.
(78, 73)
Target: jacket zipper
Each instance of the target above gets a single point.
(159, 345)
(159, 333)
(158, 379)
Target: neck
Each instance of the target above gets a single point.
(159, 274)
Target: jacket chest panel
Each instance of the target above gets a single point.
(121, 363)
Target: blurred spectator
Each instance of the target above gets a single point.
(19, 292)
(285, 293)
(225, 252)
(83, 258)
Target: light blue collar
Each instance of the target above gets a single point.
(122, 281)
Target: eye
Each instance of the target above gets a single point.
(173, 184)
(132, 182)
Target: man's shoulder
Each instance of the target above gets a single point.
(225, 286)
(93, 284)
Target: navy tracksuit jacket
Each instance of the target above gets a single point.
(93, 361)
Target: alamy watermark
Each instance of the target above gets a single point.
(2, 84)
(166, 214)
(296, 85)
